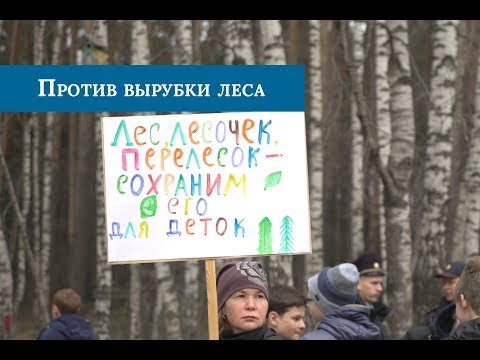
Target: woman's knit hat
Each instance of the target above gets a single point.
(235, 276)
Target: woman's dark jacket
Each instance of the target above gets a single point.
(262, 333)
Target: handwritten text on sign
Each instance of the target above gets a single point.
(191, 186)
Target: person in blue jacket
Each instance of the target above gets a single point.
(333, 292)
(67, 323)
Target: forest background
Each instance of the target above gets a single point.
(393, 146)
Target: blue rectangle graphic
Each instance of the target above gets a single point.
(156, 88)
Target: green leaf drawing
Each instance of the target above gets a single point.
(286, 230)
(265, 236)
(272, 179)
(148, 207)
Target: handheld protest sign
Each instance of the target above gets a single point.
(203, 186)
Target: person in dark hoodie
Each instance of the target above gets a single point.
(333, 292)
(449, 277)
(67, 323)
(242, 299)
(439, 322)
(437, 327)
(467, 296)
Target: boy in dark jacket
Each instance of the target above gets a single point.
(67, 323)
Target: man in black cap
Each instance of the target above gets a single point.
(370, 288)
(440, 321)
(450, 277)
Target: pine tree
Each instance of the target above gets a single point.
(265, 234)
(286, 242)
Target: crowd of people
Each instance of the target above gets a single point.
(344, 302)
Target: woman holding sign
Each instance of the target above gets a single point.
(242, 290)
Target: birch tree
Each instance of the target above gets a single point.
(140, 55)
(19, 254)
(382, 102)
(103, 294)
(6, 281)
(31, 261)
(166, 306)
(47, 184)
(189, 294)
(274, 48)
(30, 172)
(6, 285)
(238, 42)
(396, 175)
(39, 55)
(280, 266)
(358, 32)
(238, 50)
(467, 219)
(430, 254)
(315, 146)
(396, 195)
(293, 47)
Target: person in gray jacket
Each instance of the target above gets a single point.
(334, 291)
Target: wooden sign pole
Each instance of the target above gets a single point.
(210, 276)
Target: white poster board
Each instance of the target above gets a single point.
(196, 186)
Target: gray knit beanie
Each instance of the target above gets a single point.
(334, 287)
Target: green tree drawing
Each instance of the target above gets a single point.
(265, 236)
(286, 241)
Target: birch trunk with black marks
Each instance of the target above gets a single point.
(357, 30)
(39, 31)
(140, 56)
(396, 176)
(279, 266)
(188, 292)
(47, 184)
(467, 220)
(431, 243)
(31, 261)
(238, 42)
(103, 293)
(382, 102)
(396, 194)
(6, 285)
(315, 147)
